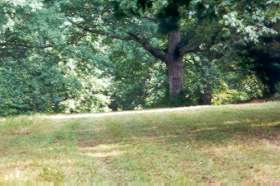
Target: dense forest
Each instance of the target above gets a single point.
(106, 55)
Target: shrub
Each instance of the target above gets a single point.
(247, 89)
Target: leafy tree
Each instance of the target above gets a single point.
(87, 55)
(156, 26)
(39, 72)
(166, 29)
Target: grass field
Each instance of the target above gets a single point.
(231, 144)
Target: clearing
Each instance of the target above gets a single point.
(237, 144)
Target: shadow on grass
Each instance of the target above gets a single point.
(201, 127)
(203, 133)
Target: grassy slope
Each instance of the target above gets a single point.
(227, 144)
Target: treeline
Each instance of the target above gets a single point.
(95, 55)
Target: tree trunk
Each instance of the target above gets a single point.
(206, 97)
(175, 78)
(175, 65)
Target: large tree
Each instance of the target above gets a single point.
(166, 29)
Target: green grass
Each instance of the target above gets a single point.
(234, 144)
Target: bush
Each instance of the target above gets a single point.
(252, 87)
(38, 86)
(32, 86)
(249, 88)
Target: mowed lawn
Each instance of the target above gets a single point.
(234, 144)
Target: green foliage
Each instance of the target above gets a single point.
(136, 84)
(33, 86)
(156, 87)
(247, 89)
(252, 86)
(92, 95)
(228, 96)
(202, 76)
(66, 56)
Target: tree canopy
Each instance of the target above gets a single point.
(101, 55)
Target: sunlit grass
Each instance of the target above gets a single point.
(227, 144)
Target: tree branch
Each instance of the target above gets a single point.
(208, 44)
(100, 32)
(152, 19)
(22, 45)
(156, 52)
